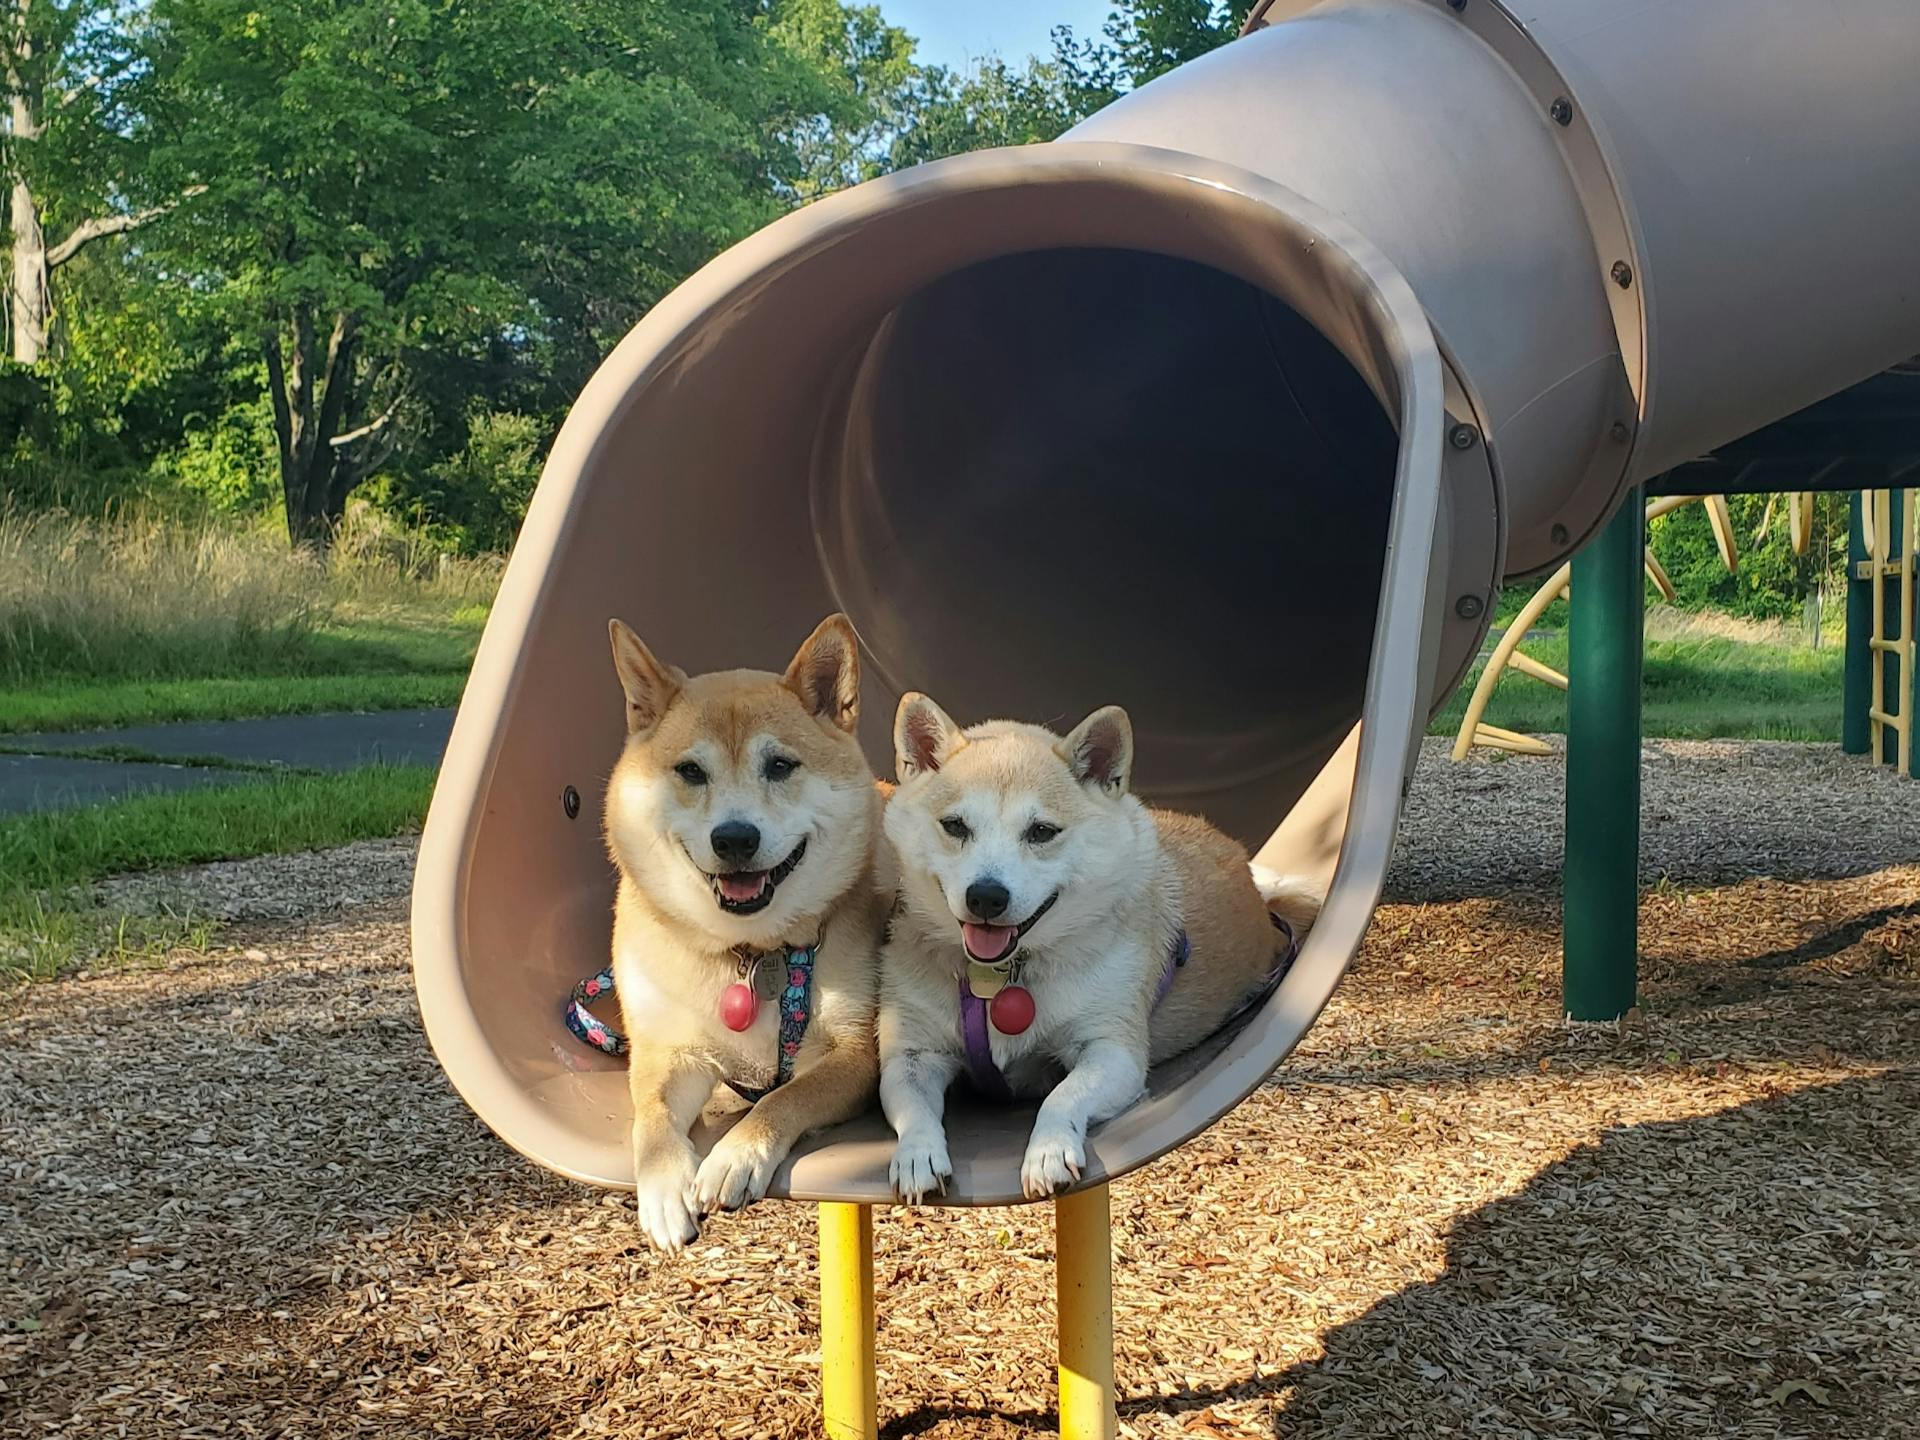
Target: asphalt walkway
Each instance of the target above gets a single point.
(53, 771)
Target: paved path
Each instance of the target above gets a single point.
(57, 782)
(49, 775)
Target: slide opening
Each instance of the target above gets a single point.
(1074, 477)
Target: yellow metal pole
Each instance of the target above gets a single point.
(847, 1400)
(1083, 1288)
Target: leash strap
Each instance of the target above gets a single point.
(796, 1011)
(981, 1070)
(597, 1033)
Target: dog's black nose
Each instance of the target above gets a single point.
(988, 899)
(734, 842)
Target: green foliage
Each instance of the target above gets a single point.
(871, 88)
(1151, 37)
(1771, 582)
(228, 461)
(474, 498)
(1001, 104)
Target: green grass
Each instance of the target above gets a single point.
(84, 705)
(1695, 689)
(48, 920)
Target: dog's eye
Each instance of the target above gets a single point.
(779, 767)
(956, 827)
(690, 772)
(1039, 833)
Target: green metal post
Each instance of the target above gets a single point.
(1856, 682)
(1896, 626)
(1601, 877)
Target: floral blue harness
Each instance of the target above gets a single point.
(788, 969)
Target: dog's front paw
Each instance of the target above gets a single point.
(665, 1192)
(1055, 1156)
(738, 1169)
(920, 1164)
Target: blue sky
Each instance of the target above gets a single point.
(951, 32)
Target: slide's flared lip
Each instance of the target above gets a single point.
(959, 212)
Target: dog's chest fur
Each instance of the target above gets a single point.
(670, 986)
(1097, 983)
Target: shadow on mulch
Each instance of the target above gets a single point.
(1832, 941)
(1611, 1296)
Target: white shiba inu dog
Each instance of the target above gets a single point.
(1116, 935)
(744, 821)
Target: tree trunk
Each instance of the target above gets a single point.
(314, 388)
(29, 287)
(29, 291)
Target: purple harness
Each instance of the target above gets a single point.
(977, 1049)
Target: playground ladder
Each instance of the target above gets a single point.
(1891, 556)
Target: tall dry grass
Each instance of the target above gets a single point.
(138, 596)
(379, 566)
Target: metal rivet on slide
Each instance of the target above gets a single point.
(1461, 437)
(1559, 534)
(570, 802)
(1456, 4)
(1619, 432)
(1562, 111)
(1622, 274)
(1468, 607)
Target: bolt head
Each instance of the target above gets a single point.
(1456, 4)
(1559, 534)
(1562, 111)
(1462, 437)
(1622, 274)
(1468, 607)
(1619, 433)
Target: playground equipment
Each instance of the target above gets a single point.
(1235, 405)
(1886, 530)
(1474, 730)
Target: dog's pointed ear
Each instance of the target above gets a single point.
(650, 686)
(924, 736)
(825, 673)
(1099, 752)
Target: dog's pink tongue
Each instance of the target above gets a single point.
(988, 942)
(743, 884)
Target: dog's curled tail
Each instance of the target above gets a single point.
(1294, 898)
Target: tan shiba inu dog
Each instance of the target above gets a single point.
(744, 821)
(1024, 861)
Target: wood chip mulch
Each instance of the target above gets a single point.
(238, 1199)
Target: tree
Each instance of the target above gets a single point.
(873, 89)
(1000, 104)
(996, 103)
(411, 202)
(69, 145)
(1151, 37)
